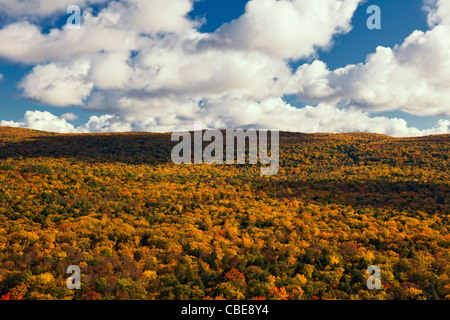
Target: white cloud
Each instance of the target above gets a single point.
(288, 29)
(121, 26)
(149, 16)
(176, 64)
(443, 127)
(46, 121)
(59, 85)
(412, 77)
(210, 72)
(42, 120)
(270, 113)
(24, 8)
(69, 116)
(267, 114)
(27, 44)
(111, 70)
(438, 12)
(106, 123)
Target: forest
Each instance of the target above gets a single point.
(142, 228)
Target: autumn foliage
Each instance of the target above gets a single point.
(140, 227)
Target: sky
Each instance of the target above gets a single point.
(161, 65)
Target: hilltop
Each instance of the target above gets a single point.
(156, 147)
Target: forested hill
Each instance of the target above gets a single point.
(140, 227)
(296, 148)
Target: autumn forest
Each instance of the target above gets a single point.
(140, 227)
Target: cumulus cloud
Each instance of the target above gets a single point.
(106, 123)
(145, 15)
(211, 72)
(438, 12)
(412, 77)
(149, 16)
(111, 70)
(42, 120)
(24, 8)
(121, 26)
(322, 118)
(69, 116)
(58, 85)
(288, 29)
(105, 32)
(442, 127)
(46, 121)
(266, 114)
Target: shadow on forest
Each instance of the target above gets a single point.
(129, 148)
(429, 197)
(139, 148)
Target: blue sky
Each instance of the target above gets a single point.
(399, 19)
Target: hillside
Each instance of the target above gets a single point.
(140, 227)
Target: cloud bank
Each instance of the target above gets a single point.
(146, 67)
(412, 77)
